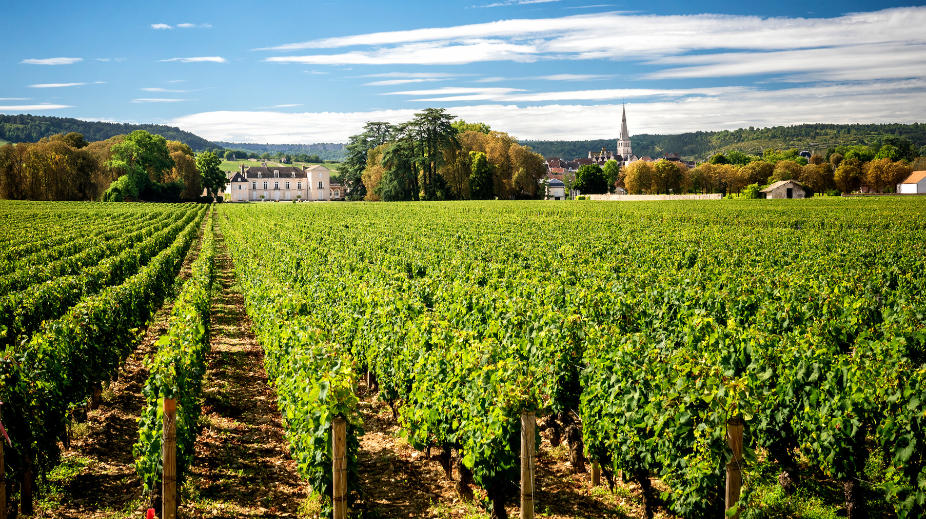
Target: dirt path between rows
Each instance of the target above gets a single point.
(242, 467)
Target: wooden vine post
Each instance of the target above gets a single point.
(2, 479)
(339, 468)
(528, 423)
(735, 467)
(169, 458)
(596, 473)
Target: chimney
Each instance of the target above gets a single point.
(242, 170)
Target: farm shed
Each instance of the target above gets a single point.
(785, 189)
(914, 185)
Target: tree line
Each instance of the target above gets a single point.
(137, 166)
(231, 154)
(33, 128)
(842, 169)
(433, 157)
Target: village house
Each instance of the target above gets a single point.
(556, 189)
(914, 185)
(784, 189)
(280, 183)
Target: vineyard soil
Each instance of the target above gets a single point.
(242, 466)
(399, 481)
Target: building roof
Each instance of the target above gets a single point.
(780, 183)
(915, 177)
(285, 172)
(555, 183)
(238, 177)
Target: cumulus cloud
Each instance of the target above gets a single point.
(52, 61)
(160, 26)
(213, 59)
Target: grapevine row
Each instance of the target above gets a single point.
(177, 370)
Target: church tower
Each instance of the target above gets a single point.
(623, 142)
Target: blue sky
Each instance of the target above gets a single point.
(303, 72)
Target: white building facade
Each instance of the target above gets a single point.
(257, 184)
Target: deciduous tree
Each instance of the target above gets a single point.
(848, 176)
(480, 179)
(213, 178)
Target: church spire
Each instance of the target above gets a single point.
(625, 135)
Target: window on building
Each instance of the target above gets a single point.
(276, 185)
(287, 185)
(239, 187)
(320, 185)
(265, 185)
(298, 185)
(253, 185)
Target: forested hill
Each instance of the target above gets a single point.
(701, 145)
(325, 150)
(31, 128)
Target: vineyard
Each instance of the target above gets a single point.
(639, 335)
(638, 331)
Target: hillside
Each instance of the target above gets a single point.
(31, 128)
(701, 145)
(325, 150)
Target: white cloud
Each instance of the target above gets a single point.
(313, 72)
(847, 63)
(517, 2)
(692, 41)
(15, 98)
(176, 81)
(213, 59)
(52, 61)
(149, 100)
(388, 82)
(194, 26)
(416, 75)
(514, 95)
(574, 77)
(427, 53)
(27, 108)
(56, 85)
(875, 102)
(160, 26)
(158, 89)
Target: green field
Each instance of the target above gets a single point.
(235, 165)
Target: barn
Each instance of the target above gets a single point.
(914, 185)
(785, 189)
